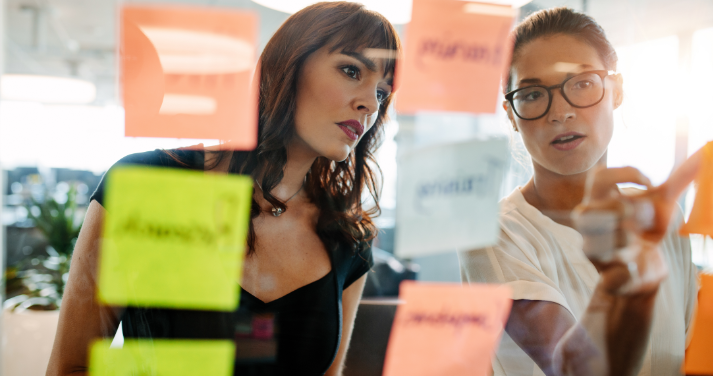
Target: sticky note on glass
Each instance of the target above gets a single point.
(701, 219)
(186, 72)
(698, 355)
(162, 357)
(454, 56)
(446, 329)
(448, 197)
(173, 238)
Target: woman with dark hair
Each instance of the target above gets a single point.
(575, 310)
(322, 106)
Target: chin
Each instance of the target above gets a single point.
(574, 167)
(336, 153)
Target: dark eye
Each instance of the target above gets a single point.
(529, 95)
(381, 95)
(532, 96)
(351, 71)
(584, 84)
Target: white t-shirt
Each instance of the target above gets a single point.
(543, 260)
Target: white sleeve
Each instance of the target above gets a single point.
(681, 247)
(508, 264)
(690, 285)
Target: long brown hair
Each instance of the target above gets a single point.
(334, 187)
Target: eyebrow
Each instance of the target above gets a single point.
(370, 64)
(529, 81)
(537, 80)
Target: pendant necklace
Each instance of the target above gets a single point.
(276, 212)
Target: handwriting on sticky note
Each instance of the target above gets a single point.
(446, 319)
(440, 188)
(698, 355)
(446, 329)
(701, 219)
(162, 357)
(447, 49)
(187, 72)
(480, 185)
(454, 56)
(173, 238)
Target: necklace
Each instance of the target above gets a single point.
(276, 212)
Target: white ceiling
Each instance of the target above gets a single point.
(77, 37)
(633, 21)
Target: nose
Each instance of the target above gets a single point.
(366, 101)
(560, 110)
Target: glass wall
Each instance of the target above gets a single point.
(63, 117)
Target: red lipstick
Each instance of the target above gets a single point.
(352, 128)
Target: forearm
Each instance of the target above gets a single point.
(611, 337)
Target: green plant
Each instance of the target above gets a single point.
(44, 277)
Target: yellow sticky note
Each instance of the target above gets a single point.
(162, 358)
(173, 238)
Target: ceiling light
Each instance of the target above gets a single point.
(46, 89)
(396, 11)
(193, 52)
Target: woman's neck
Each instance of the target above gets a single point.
(299, 161)
(553, 194)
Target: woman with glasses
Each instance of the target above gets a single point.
(607, 299)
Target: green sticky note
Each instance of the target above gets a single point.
(173, 238)
(162, 358)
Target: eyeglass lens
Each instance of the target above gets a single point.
(581, 91)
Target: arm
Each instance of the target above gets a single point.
(619, 317)
(537, 326)
(612, 335)
(613, 330)
(350, 303)
(81, 319)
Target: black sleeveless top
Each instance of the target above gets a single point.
(307, 322)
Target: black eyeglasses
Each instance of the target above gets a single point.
(581, 91)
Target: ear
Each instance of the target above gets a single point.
(511, 116)
(618, 90)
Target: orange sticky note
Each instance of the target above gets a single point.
(698, 355)
(446, 329)
(455, 54)
(701, 219)
(186, 72)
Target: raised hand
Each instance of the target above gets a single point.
(622, 231)
(618, 231)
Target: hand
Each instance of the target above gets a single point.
(622, 233)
